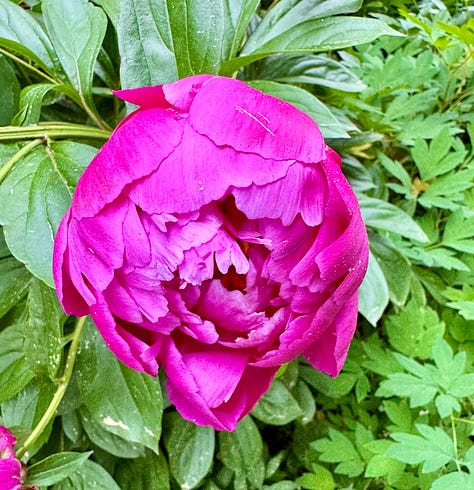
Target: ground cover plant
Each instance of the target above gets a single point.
(391, 86)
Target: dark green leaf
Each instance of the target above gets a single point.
(320, 113)
(15, 371)
(77, 30)
(35, 195)
(55, 468)
(385, 216)
(277, 406)
(241, 450)
(89, 475)
(113, 444)
(42, 329)
(144, 473)
(314, 70)
(14, 283)
(325, 34)
(9, 92)
(190, 449)
(20, 27)
(373, 292)
(129, 403)
(395, 267)
(287, 14)
(145, 42)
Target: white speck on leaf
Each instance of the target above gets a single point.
(114, 423)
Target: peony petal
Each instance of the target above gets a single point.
(217, 374)
(72, 300)
(329, 352)
(304, 189)
(135, 150)
(127, 348)
(233, 114)
(162, 191)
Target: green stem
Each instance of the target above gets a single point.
(28, 66)
(52, 130)
(455, 442)
(17, 157)
(60, 391)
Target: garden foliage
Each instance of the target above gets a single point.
(391, 86)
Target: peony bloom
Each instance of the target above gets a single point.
(10, 467)
(215, 235)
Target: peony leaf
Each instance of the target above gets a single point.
(77, 30)
(35, 195)
(190, 450)
(290, 13)
(9, 92)
(89, 475)
(129, 404)
(23, 32)
(56, 467)
(277, 406)
(373, 292)
(145, 43)
(144, 473)
(312, 36)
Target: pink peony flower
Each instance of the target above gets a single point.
(10, 467)
(215, 235)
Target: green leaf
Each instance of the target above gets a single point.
(373, 292)
(129, 404)
(145, 43)
(190, 449)
(339, 449)
(312, 69)
(383, 466)
(318, 35)
(289, 13)
(9, 92)
(42, 329)
(31, 101)
(459, 232)
(77, 30)
(14, 283)
(144, 473)
(277, 406)
(55, 468)
(35, 195)
(89, 475)
(20, 27)
(454, 480)
(414, 330)
(434, 448)
(15, 370)
(308, 103)
(382, 215)
(395, 267)
(241, 450)
(25, 409)
(332, 387)
(101, 437)
(320, 479)
(436, 159)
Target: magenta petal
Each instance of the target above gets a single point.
(10, 474)
(304, 189)
(126, 347)
(233, 114)
(112, 168)
(216, 373)
(329, 352)
(72, 300)
(162, 191)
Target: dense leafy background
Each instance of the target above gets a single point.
(391, 85)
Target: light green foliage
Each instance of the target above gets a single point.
(391, 85)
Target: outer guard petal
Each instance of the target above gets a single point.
(233, 114)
